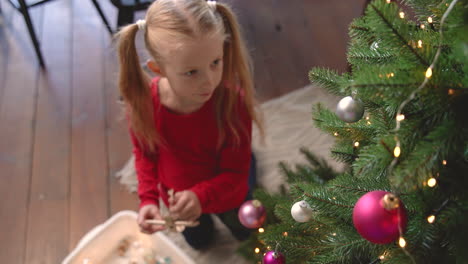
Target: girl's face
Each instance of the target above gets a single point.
(195, 69)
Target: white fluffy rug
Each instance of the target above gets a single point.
(288, 126)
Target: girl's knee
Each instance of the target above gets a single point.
(201, 236)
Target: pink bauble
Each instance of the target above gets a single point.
(274, 257)
(252, 214)
(376, 223)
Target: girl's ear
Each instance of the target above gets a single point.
(154, 67)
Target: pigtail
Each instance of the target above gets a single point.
(134, 86)
(238, 71)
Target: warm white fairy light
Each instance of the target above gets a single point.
(444, 162)
(422, 26)
(419, 43)
(389, 1)
(429, 72)
(356, 144)
(334, 234)
(400, 117)
(423, 84)
(257, 250)
(431, 182)
(261, 230)
(431, 219)
(335, 134)
(402, 242)
(402, 15)
(429, 19)
(382, 257)
(285, 234)
(392, 74)
(397, 152)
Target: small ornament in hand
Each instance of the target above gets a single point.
(167, 220)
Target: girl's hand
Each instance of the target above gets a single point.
(185, 206)
(147, 212)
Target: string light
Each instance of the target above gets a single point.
(335, 134)
(419, 43)
(431, 182)
(402, 242)
(400, 117)
(382, 257)
(402, 15)
(334, 234)
(428, 72)
(451, 91)
(444, 162)
(431, 219)
(389, 1)
(392, 74)
(261, 230)
(397, 152)
(429, 19)
(368, 122)
(422, 26)
(367, 117)
(356, 144)
(257, 250)
(285, 234)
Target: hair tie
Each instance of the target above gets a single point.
(212, 4)
(141, 23)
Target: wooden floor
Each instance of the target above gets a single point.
(61, 140)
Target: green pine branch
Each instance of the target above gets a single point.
(329, 79)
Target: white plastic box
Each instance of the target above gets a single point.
(100, 245)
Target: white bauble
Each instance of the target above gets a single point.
(301, 211)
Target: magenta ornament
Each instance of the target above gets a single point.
(378, 216)
(252, 214)
(273, 257)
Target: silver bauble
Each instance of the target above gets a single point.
(301, 211)
(350, 110)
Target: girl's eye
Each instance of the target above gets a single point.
(216, 62)
(190, 73)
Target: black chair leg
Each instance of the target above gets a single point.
(32, 33)
(126, 16)
(104, 19)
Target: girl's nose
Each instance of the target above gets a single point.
(209, 80)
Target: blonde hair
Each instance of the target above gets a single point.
(186, 18)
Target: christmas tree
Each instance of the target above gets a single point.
(402, 127)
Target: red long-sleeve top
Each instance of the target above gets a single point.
(191, 161)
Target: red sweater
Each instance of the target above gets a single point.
(191, 162)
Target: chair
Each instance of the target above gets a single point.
(127, 9)
(23, 7)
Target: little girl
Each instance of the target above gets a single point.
(191, 125)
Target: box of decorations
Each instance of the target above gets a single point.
(119, 241)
